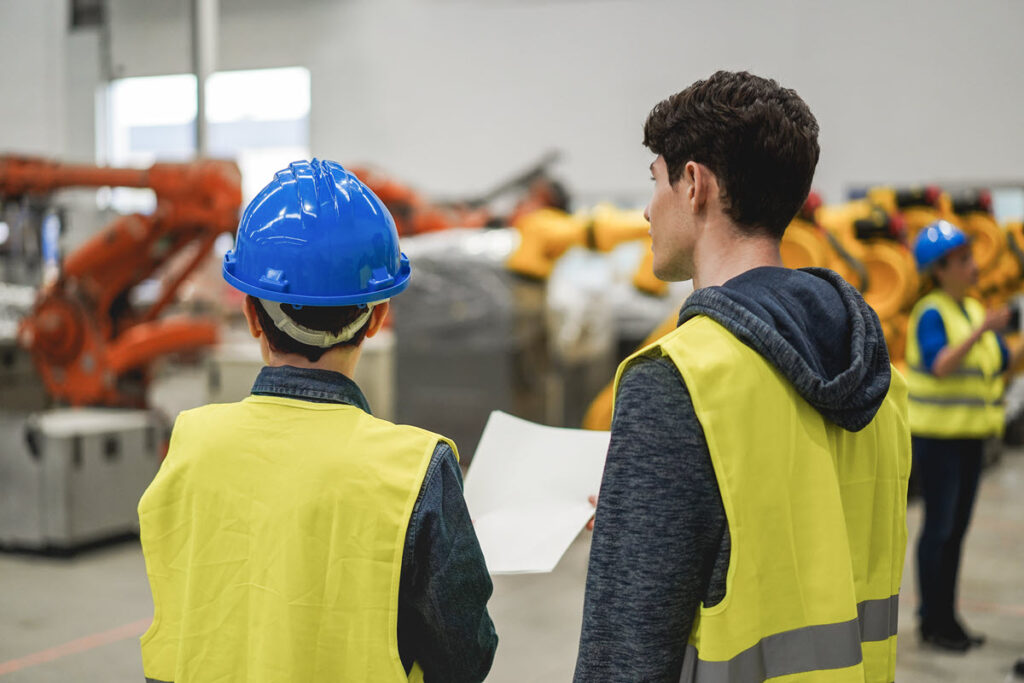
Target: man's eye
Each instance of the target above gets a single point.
(652, 178)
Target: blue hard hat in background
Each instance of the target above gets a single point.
(317, 236)
(935, 241)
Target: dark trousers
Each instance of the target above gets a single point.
(948, 471)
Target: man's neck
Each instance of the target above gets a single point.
(955, 293)
(723, 252)
(343, 360)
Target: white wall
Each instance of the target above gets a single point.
(48, 79)
(452, 95)
(33, 76)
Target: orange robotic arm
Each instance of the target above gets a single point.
(84, 335)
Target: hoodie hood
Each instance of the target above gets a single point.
(815, 328)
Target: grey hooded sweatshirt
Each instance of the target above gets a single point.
(661, 542)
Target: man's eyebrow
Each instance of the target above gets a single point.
(651, 167)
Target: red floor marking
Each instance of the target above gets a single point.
(995, 608)
(132, 630)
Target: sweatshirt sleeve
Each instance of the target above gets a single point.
(443, 621)
(931, 337)
(658, 530)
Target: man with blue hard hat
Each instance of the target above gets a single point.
(292, 536)
(955, 362)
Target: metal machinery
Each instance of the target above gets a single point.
(865, 241)
(546, 234)
(469, 336)
(70, 476)
(414, 214)
(90, 346)
(481, 328)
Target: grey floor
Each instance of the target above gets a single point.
(78, 619)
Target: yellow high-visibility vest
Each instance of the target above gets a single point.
(968, 402)
(273, 536)
(816, 516)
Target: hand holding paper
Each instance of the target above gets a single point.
(527, 491)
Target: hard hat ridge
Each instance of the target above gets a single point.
(327, 179)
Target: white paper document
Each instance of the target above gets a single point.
(527, 490)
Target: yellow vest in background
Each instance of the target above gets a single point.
(816, 515)
(273, 537)
(968, 402)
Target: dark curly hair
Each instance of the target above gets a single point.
(329, 318)
(758, 138)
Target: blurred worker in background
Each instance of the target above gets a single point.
(751, 520)
(956, 362)
(292, 536)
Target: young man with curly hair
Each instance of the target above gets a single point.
(751, 519)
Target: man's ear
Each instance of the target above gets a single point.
(703, 186)
(377, 318)
(249, 308)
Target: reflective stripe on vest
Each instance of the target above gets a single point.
(273, 537)
(953, 400)
(811, 648)
(816, 515)
(964, 403)
(959, 372)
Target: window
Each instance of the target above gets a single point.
(259, 118)
(1008, 203)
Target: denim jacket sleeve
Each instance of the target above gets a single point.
(442, 602)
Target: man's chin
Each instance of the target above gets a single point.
(668, 274)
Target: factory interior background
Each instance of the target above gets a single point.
(505, 137)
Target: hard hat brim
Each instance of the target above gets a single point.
(402, 281)
(934, 261)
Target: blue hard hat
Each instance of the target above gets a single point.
(317, 236)
(935, 241)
